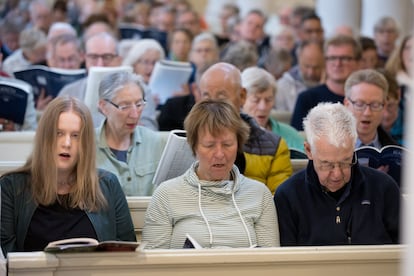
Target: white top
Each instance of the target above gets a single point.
(238, 213)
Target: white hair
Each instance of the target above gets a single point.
(140, 48)
(332, 121)
(59, 28)
(257, 80)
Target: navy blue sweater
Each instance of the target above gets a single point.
(309, 99)
(366, 213)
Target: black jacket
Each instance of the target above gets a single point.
(366, 213)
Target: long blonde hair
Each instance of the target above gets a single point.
(41, 165)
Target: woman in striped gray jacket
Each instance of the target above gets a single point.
(212, 202)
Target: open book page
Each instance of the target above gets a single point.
(88, 245)
(168, 77)
(95, 75)
(52, 80)
(13, 99)
(176, 158)
(389, 159)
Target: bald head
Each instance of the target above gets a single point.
(223, 81)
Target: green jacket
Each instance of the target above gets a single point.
(18, 207)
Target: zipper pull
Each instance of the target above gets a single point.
(338, 219)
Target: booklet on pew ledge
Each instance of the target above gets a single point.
(388, 157)
(89, 245)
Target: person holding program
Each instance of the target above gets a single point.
(212, 201)
(58, 193)
(336, 201)
(130, 151)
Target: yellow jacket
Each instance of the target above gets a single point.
(266, 156)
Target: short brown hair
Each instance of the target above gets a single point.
(340, 40)
(214, 116)
(370, 76)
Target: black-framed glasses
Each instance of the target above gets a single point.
(330, 166)
(361, 106)
(106, 58)
(127, 107)
(343, 59)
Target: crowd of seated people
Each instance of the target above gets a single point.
(235, 72)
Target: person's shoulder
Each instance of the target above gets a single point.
(255, 186)
(291, 185)
(147, 134)
(15, 179)
(314, 90)
(73, 87)
(376, 178)
(106, 178)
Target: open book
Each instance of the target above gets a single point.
(176, 158)
(13, 99)
(50, 79)
(168, 77)
(88, 245)
(134, 31)
(389, 158)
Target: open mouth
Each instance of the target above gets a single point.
(64, 155)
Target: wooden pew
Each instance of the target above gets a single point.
(298, 164)
(137, 207)
(287, 261)
(16, 145)
(6, 166)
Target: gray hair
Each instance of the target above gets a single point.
(386, 22)
(205, 36)
(112, 83)
(257, 80)
(32, 38)
(370, 76)
(104, 35)
(332, 121)
(60, 28)
(241, 54)
(140, 48)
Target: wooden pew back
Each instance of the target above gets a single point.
(287, 261)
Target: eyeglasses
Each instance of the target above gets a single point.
(106, 58)
(343, 59)
(361, 106)
(327, 166)
(128, 107)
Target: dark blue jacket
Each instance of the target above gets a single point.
(309, 99)
(366, 213)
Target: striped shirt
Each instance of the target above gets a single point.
(176, 209)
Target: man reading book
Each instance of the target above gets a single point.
(336, 201)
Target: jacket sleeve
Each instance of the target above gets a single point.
(392, 211)
(287, 227)
(116, 223)
(124, 225)
(281, 168)
(158, 226)
(7, 226)
(266, 228)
